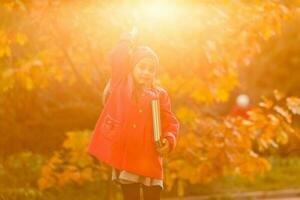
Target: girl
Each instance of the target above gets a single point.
(123, 135)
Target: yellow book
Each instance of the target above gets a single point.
(156, 122)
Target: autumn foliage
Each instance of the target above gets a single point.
(53, 68)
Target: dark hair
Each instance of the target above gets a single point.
(141, 52)
(135, 56)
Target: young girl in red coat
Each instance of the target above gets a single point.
(123, 136)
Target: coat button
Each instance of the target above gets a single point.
(140, 110)
(133, 125)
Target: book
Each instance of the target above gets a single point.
(156, 122)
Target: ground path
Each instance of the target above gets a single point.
(288, 194)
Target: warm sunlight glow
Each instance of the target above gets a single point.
(158, 10)
(171, 17)
(77, 80)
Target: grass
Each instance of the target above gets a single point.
(285, 174)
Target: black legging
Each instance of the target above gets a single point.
(132, 191)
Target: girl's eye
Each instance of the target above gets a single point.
(145, 67)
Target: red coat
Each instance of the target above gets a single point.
(123, 135)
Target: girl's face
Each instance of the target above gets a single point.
(144, 71)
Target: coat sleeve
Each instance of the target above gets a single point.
(119, 61)
(169, 122)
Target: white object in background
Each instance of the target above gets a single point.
(242, 100)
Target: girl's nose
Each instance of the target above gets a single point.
(145, 72)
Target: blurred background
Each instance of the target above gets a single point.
(231, 67)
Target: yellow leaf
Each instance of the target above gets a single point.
(274, 120)
(9, 6)
(293, 104)
(5, 51)
(282, 137)
(268, 33)
(283, 113)
(87, 174)
(29, 83)
(8, 73)
(59, 75)
(185, 114)
(253, 154)
(200, 95)
(43, 184)
(266, 103)
(222, 95)
(278, 95)
(21, 39)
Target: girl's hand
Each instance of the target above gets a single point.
(131, 36)
(165, 148)
(134, 32)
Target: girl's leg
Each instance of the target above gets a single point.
(131, 191)
(151, 192)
